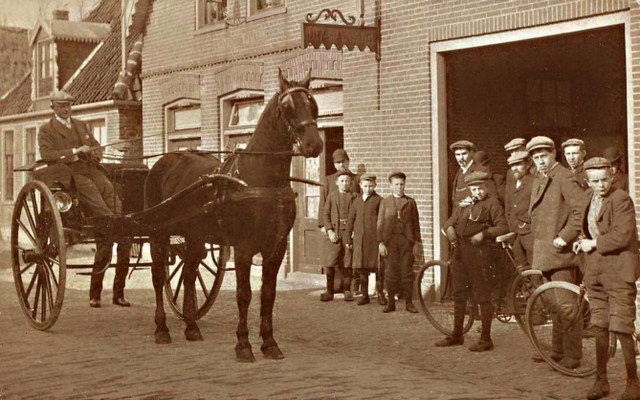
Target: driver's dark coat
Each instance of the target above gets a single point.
(55, 141)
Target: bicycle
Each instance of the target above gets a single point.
(435, 299)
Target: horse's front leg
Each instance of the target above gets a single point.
(243, 298)
(195, 252)
(159, 258)
(270, 269)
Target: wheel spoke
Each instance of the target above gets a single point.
(29, 236)
(50, 269)
(175, 271)
(202, 284)
(180, 281)
(30, 287)
(30, 217)
(49, 289)
(208, 268)
(37, 297)
(23, 270)
(43, 286)
(34, 202)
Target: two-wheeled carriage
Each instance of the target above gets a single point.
(47, 220)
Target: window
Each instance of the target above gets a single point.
(98, 129)
(549, 104)
(263, 8)
(30, 145)
(183, 121)
(211, 13)
(246, 113)
(44, 71)
(8, 165)
(240, 113)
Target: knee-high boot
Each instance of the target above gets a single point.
(632, 391)
(601, 386)
(486, 311)
(459, 309)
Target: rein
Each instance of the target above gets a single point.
(237, 151)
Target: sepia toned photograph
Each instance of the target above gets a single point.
(319, 199)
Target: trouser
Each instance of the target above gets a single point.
(102, 259)
(380, 276)
(341, 275)
(398, 273)
(523, 249)
(96, 193)
(566, 333)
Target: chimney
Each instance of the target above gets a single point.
(61, 15)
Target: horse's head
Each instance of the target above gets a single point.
(298, 110)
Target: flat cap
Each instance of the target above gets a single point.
(340, 173)
(612, 153)
(462, 144)
(597, 163)
(517, 156)
(367, 177)
(540, 142)
(572, 142)
(397, 174)
(476, 177)
(514, 144)
(340, 155)
(61, 97)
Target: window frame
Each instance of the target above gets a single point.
(226, 106)
(44, 68)
(169, 120)
(259, 14)
(200, 25)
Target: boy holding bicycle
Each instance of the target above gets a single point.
(470, 230)
(610, 243)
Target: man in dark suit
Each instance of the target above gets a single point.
(463, 150)
(517, 198)
(555, 223)
(341, 163)
(574, 154)
(68, 144)
(618, 178)
(398, 232)
(611, 270)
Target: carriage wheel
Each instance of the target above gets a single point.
(38, 253)
(208, 277)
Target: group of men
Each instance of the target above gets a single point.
(365, 234)
(572, 224)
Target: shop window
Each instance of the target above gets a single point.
(211, 13)
(183, 123)
(257, 9)
(245, 113)
(7, 159)
(44, 68)
(30, 152)
(549, 104)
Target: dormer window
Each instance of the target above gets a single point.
(44, 71)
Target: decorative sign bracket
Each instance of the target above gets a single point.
(348, 34)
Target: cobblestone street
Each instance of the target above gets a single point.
(333, 351)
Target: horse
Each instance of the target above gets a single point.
(257, 220)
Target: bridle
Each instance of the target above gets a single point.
(292, 129)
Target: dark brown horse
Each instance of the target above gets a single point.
(255, 219)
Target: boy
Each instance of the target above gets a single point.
(471, 229)
(363, 219)
(337, 255)
(611, 247)
(398, 234)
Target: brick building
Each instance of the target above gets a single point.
(482, 70)
(82, 58)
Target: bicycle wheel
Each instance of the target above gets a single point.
(520, 291)
(543, 310)
(433, 286)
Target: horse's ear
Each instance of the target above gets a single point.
(307, 79)
(284, 83)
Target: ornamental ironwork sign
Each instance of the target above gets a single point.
(345, 33)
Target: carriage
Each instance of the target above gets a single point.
(47, 220)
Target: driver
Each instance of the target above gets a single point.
(69, 142)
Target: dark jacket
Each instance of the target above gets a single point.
(387, 218)
(460, 191)
(331, 217)
(580, 177)
(361, 231)
(516, 204)
(486, 216)
(554, 211)
(330, 187)
(617, 245)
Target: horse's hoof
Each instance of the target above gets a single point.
(163, 337)
(272, 353)
(193, 335)
(245, 355)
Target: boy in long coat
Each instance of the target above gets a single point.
(611, 247)
(337, 255)
(555, 223)
(361, 233)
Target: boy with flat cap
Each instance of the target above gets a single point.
(611, 247)
(362, 225)
(69, 142)
(471, 230)
(555, 224)
(619, 178)
(398, 233)
(338, 256)
(575, 154)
